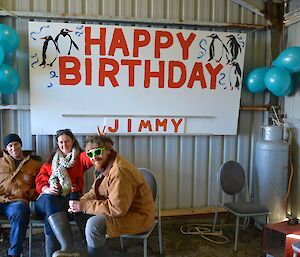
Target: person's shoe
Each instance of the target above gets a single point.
(104, 251)
(65, 254)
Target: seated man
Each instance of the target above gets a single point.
(17, 188)
(120, 200)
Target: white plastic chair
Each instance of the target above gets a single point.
(149, 177)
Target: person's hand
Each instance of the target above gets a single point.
(53, 190)
(74, 206)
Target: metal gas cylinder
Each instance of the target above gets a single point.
(271, 163)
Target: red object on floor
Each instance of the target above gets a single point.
(278, 239)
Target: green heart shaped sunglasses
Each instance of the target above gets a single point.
(95, 152)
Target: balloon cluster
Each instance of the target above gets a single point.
(9, 77)
(280, 78)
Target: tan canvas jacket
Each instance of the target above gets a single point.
(124, 198)
(18, 183)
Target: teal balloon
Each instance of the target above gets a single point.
(2, 55)
(288, 91)
(9, 38)
(255, 80)
(9, 79)
(296, 79)
(289, 59)
(278, 81)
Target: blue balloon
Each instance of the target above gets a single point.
(2, 55)
(255, 80)
(289, 59)
(288, 91)
(9, 79)
(278, 81)
(296, 79)
(9, 38)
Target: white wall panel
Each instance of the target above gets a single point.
(185, 166)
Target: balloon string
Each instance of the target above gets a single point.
(260, 28)
(13, 14)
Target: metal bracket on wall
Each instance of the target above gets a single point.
(16, 107)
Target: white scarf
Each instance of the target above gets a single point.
(60, 164)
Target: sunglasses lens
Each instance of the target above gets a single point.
(99, 151)
(95, 152)
(90, 154)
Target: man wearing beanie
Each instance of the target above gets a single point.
(17, 188)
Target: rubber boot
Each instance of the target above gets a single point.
(59, 223)
(51, 245)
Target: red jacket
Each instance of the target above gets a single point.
(76, 173)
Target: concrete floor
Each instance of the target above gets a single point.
(175, 243)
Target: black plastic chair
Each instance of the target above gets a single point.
(232, 180)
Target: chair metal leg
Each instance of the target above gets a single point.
(160, 237)
(246, 222)
(215, 219)
(121, 243)
(30, 240)
(145, 247)
(236, 232)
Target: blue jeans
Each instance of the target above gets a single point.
(95, 231)
(18, 213)
(48, 204)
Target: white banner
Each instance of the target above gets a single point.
(83, 76)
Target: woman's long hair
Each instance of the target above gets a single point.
(66, 132)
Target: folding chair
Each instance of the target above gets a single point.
(232, 180)
(149, 177)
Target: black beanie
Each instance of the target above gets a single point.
(11, 138)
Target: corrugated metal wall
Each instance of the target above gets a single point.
(292, 106)
(186, 166)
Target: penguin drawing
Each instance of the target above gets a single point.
(216, 48)
(65, 34)
(235, 75)
(49, 43)
(234, 48)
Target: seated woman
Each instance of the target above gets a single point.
(119, 202)
(63, 170)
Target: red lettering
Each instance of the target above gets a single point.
(131, 68)
(110, 74)
(180, 82)
(159, 35)
(159, 123)
(129, 125)
(73, 71)
(137, 42)
(197, 74)
(88, 71)
(176, 124)
(118, 41)
(95, 41)
(154, 74)
(115, 128)
(213, 74)
(145, 124)
(185, 44)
